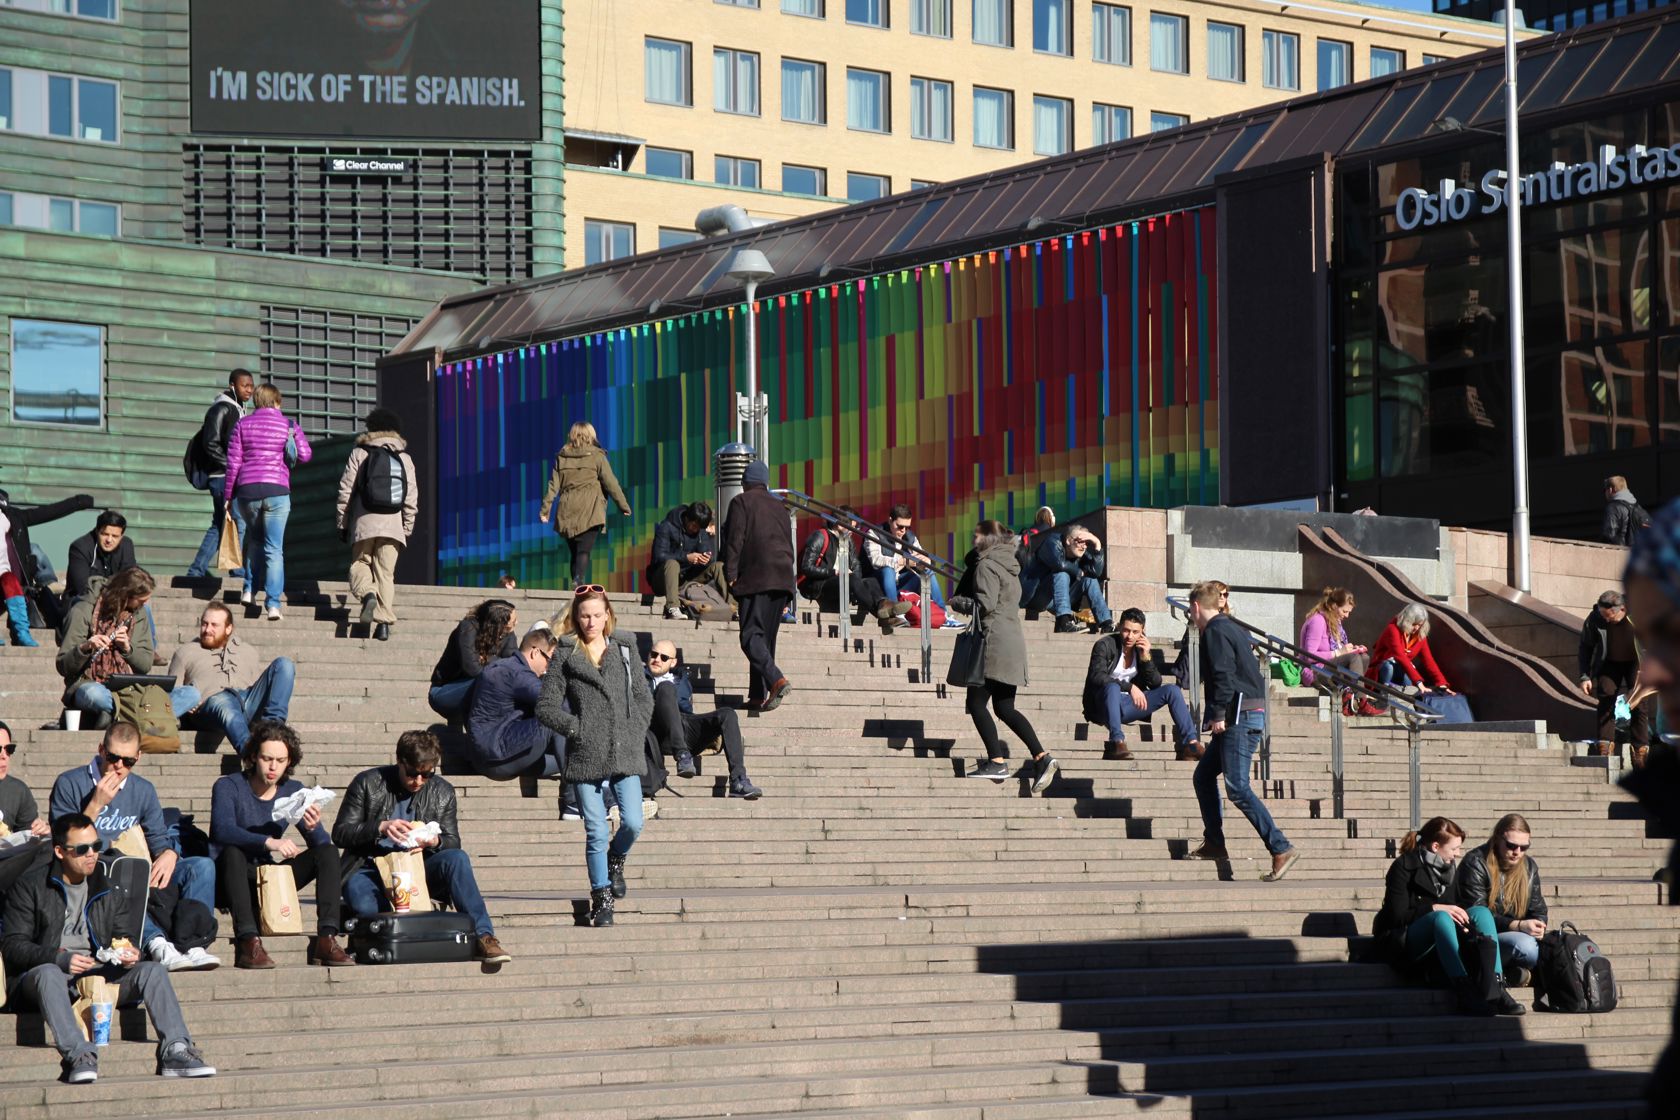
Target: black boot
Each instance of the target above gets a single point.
(1503, 1004)
(615, 872)
(1471, 1000)
(601, 907)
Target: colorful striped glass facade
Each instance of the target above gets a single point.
(1073, 372)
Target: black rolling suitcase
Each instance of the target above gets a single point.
(415, 938)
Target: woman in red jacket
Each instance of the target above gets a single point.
(1404, 649)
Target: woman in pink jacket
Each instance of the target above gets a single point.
(259, 490)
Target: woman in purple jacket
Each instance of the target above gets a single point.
(261, 452)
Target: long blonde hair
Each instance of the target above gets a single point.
(582, 435)
(1511, 890)
(1332, 601)
(565, 623)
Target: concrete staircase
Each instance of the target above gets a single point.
(877, 938)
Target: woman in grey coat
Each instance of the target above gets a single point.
(994, 605)
(599, 677)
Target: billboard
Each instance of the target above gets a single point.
(447, 69)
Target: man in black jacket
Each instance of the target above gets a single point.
(1624, 517)
(819, 578)
(66, 921)
(681, 732)
(1123, 685)
(685, 550)
(1234, 710)
(381, 807)
(758, 560)
(1609, 665)
(212, 442)
(100, 554)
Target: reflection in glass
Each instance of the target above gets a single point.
(1589, 400)
(1668, 390)
(56, 372)
(1594, 285)
(1446, 311)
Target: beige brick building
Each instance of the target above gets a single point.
(786, 107)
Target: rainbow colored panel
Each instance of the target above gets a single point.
(1074, 372)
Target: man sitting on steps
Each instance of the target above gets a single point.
(222, 669)
(507, 738)
(685, 550)
(1123, 685)
(681, 732)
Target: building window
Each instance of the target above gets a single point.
(61, 215)
(5, 209)
(922, 184)
(1432, 59)
(1169, 43)
(99, 219)
(1111, 34)
(734, 171)
(1052, 27)
(931, 17)
(1160, 122)
(86, 9)
(739, 3)
(670, 163)
(1386, 61)
(804, 91)
(799, 179)
(1110, 123)
(607, 241)
(1280, 60)
(994, 118)
(812, 8)
(866, 101)
(671, 238)
(58, 373)
(1052, 125)
(7, 120)
(863, 188)
(64, 105)
(669, 72)
(930, 109)
(323, 363)
(1225, 52)
(870, 13)
(735, 81)
(1335, 64)
(994, 23)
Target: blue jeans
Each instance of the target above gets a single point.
(1388, 669)
(449, 879)
(267, 518)
(1090, 592)
(93, 698)
(452, 700)
(231, 711)
(893, 581)
(1519, 948)
(1122, 711)
(1437, 933)
(1232, 754)
(592, 804)
(212, 536)
(196, 876)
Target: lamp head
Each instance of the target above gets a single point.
(749, 266)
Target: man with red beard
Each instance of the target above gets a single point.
(224, 671)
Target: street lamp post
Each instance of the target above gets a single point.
(1514, 314)
(750, 266)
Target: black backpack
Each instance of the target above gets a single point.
(1573, 975)
(192, 463)
(382, 484)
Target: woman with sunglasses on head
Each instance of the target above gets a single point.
(1502, 877)
(1418, 920)
(597, 696)
(244, 836)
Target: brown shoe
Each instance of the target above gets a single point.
(490, 951)
(1281, 863)
(1639, 754)
(1205, 850)
(248, 952)
(1115, 750)
(324, 950)
(778, 693)
(1604, 748)
(1190, 752)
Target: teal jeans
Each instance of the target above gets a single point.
(1437, 933)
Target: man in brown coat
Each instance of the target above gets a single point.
(758, 563)
(378, 500)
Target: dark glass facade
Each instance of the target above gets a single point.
(1549, 15)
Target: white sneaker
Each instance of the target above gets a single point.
(171, 958)
(202, 959)
(274, 612)
(246, 598)
(650, 808)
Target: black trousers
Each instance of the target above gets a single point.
(581, 545)
(1614, 679)
(238, 878)
(761, 618)
(1002, 698)
(865, 592)
(684, 731)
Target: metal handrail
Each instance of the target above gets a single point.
(834, 515)
(1337, 679)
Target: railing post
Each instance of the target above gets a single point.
(1414, 737)
(927, 629)
(843, 568)
(1338, 809)
(1194, 656)
(1265, 733)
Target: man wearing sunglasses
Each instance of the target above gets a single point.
(681, 732)
(507, 738)
(896, 570)
(18, 814)
(62, 922)
(116, 799)
(378, 812)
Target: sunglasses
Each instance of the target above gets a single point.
(899, 527)
(583, 589)
(546, 655)
(9, 748)
(423, 775)
(1517, 848)
(662, 657)
(126, 761)
(84, 849)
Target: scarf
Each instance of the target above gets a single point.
(110, 659)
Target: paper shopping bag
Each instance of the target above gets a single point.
(277, 900)
(131, 843)
(404, 876)
(228, 556)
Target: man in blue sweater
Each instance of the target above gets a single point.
(117, 799)
(507, 739)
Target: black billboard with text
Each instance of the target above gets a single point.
(449, 69)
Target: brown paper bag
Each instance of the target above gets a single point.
(132, 843)
(277, 900)
(228, 555)
(412, 865)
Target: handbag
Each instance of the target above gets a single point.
(229, 557)
(291, 448)
(147, 707)
(968, 658)
(277, 900)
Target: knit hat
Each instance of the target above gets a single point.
(384, 420)
(756, 474)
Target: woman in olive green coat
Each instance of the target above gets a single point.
(582, 480)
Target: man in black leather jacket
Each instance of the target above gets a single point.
(381, 807)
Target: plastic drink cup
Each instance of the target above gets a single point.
(102, 1024)
(72, 719)
(401, 892)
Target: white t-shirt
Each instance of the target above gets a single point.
(1123, 672)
